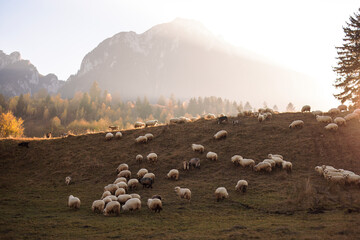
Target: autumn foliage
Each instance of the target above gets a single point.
(10, 125)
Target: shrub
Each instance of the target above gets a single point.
(10, 125)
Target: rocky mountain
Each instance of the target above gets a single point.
(18, 76)
(184, 58)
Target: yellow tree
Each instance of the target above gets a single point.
(10, 125)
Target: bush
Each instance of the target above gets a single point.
(10, 125)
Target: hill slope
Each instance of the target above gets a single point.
(277, 205)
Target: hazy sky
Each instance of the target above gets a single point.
(55, 35)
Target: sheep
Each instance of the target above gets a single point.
(319, 170)
(151, 123)
(142, 172)
(197, 148)
(133, 183)
(183, 193)
(146, 182)
(109, 136)
(118, 135)
(150, 175)
(109, 199)
(184, 119)
(186, 165)
(342, 107)
(340, 121)
(209, 116)
(154, 204)
(352, 179)
(261, 118)
(305, 108)
(175, 121)
(74, 202)
(241, 186)
(194, 162)
(332, 127)
(67, 180)
(334, 111)
(287, 166)
(337, 179)
(324, 119)
(139, 124)
(122, 167)
(120, 191)
(275, 156)
(111, 188)
(149, 136)
(152, 157)
(122, 185)
(212, 156)
(173, 174)
(236, 159)
(112, 208)
(297, 124)
(123, 198)
(268, 116)
(351, 116)
(156, 196)
(220, 135)
(98, 206)
(120, 179)
(135, 195)
(221, 193)
(141, 139)
(222, 119)
(125, 173)
(317, 112)
(132, 205)
(271, 161)
(263, 166)
(139, 158)
(193, 119)
(244, 162)
(105, 194)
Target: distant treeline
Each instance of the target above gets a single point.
(96, 110)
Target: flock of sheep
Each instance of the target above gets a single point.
(116, 195)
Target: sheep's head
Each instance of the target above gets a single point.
(177, 189)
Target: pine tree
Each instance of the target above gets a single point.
(348, 69)
(290, 107)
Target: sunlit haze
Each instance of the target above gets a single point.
(300, 35)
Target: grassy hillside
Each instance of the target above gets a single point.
(301, 205)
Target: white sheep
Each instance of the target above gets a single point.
(125, 173)
(105, 194)
(132, 205)
(139, 124)
(236, 159)
(351, 116)
(141, 139)
(197, 148)
(241, 186)
(342, 107)
(263, 166)
(212, 156)
(220, 135)
(334, 111)
(124, 198)
(135, 195)
(275, 156)
(268, 116)
(183, 193)
(118, 135)
(142, 172)
(340, 121)
(337, 179)
(150, 175)
(173, 173)
(139, 158)
(271, 161)
(133, 183)
(111, 188)
(120, 179)
(319, 170)
(296, 124)
(112, 207)
(261, 118)
(174, 121)
(98, 206)
(152, 157)
(245, 162)
(74, 202)
(317, 112)
(184, 119)
(154, 204)
(352, 179)
(67, 180)
(323, 119)
(120, 191)
(149, 136)
(209, 116)
(122, 185)
(121, 167)
(332, 127)
(108, 199)
(151, 123)
(305, 108)
(221, 193)
(286, 165)
(109, 136)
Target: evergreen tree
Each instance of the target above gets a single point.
(247, 106)
(95, 92)
(290, 107)
(348, 69)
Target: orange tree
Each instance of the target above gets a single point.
(10, 125)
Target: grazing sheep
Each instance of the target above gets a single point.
(173, 173)
(183, 193)
(221, 193)
(342, 107)
(118, 135)
(120, 191)
(268, 116)
(150, 175)
(236, 159)
(275, 156)
(212, 156)
(109, 199)
(122, 167)
(120, 179)
(149, 136)
(287, 166)
(141, 139)
(125, 173)
(154, 204)
(305, 108)
(319, 170)
(334, 111)
(151, 123)
(123, 198)
(263, 166)
(67, 180)
(337, 179)
(220, 135)
(74, 202)
(351, 116)
(352, 179)
(340, 121)
(222, 119)
(98, 206)
(244, 162)
(142, 172)
(271, 161)
(109, 136)
(186, 165)
(317, 112)
(184, 119)
(112, 207)
(24, 144)
(146, 182)
(296, 124)
(209, 116)
(197, 148)
(139, 124)
(111, 188)
(332, 127)
(139, 158)
(194, 162)
(175, 121)
(261, 118)
(152, 157)
(135, 195)
(122, 185)
(105, 194)
(133, 183)
(323, 119)
(241, 186)
(132, 205)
